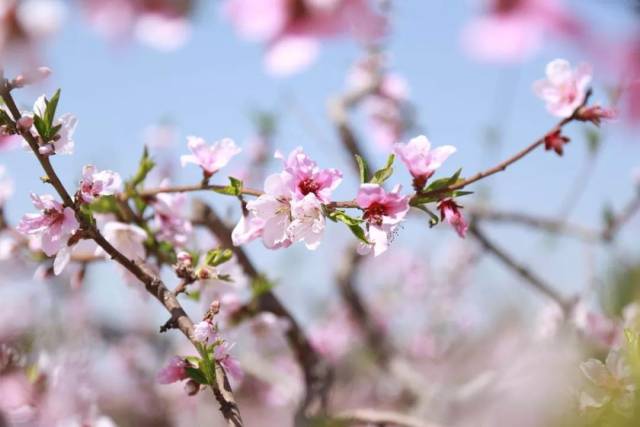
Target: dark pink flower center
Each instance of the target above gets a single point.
(374, 213)
(54, 216)
(308, 185)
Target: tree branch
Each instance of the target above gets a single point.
(379, 418)
(152, 284)
(317, 372)
(529, 277)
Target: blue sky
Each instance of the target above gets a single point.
(209, 88)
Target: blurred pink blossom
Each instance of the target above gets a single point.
(174, 371)
(565, 88)
(205, 332)
(171, 218)
(292, 29)
(210, 158)
(159, 24)
(127, 238)
(96, 183)
(6, 186)
(450, 212)
(420, 159)
(230, 364)
(54, 225)
(513, 30)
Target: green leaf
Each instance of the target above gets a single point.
(197, 375)
(50, 111)
(233, 189)
(104, 204)
(362, 169)
(194, 295)
(359, 233)
(40, 125)
(341, 216)
(145, 166)
(383, 174)
(216, 257)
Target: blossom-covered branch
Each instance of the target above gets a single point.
(88, 230)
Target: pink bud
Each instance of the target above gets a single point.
(555, 141)
(595, 114)
(184, 258)
(46, 150)
(204, 273)
(44, 72)
(25, 122)
(20, 81)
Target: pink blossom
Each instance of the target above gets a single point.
(230, 364)
(611, 382)
(63, 143)
(26, 24)
(387, 107)
(292, 29)
(382, 212)
(420, 159)
(170, 218)
(513, 30)
(271, 212)
(6, 186)
(163, 32)
(210, 158)
(564, 89)
(54, 225)
(249, 228)
(450, 212)
(307, 178)
(205, 332)
(308, 221)
(96, 183)
(334, 335)
(173, 372)
(161, 24)
(127, 238)
(17, 399)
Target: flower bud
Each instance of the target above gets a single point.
(46, 149)
(191, 387)
(595, 114)
(25, 123)
(555, 141)
(205, 273)
(184, 258)
(19, 81)
(44, 72)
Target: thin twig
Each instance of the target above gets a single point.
(550, 225)
(530, 278)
